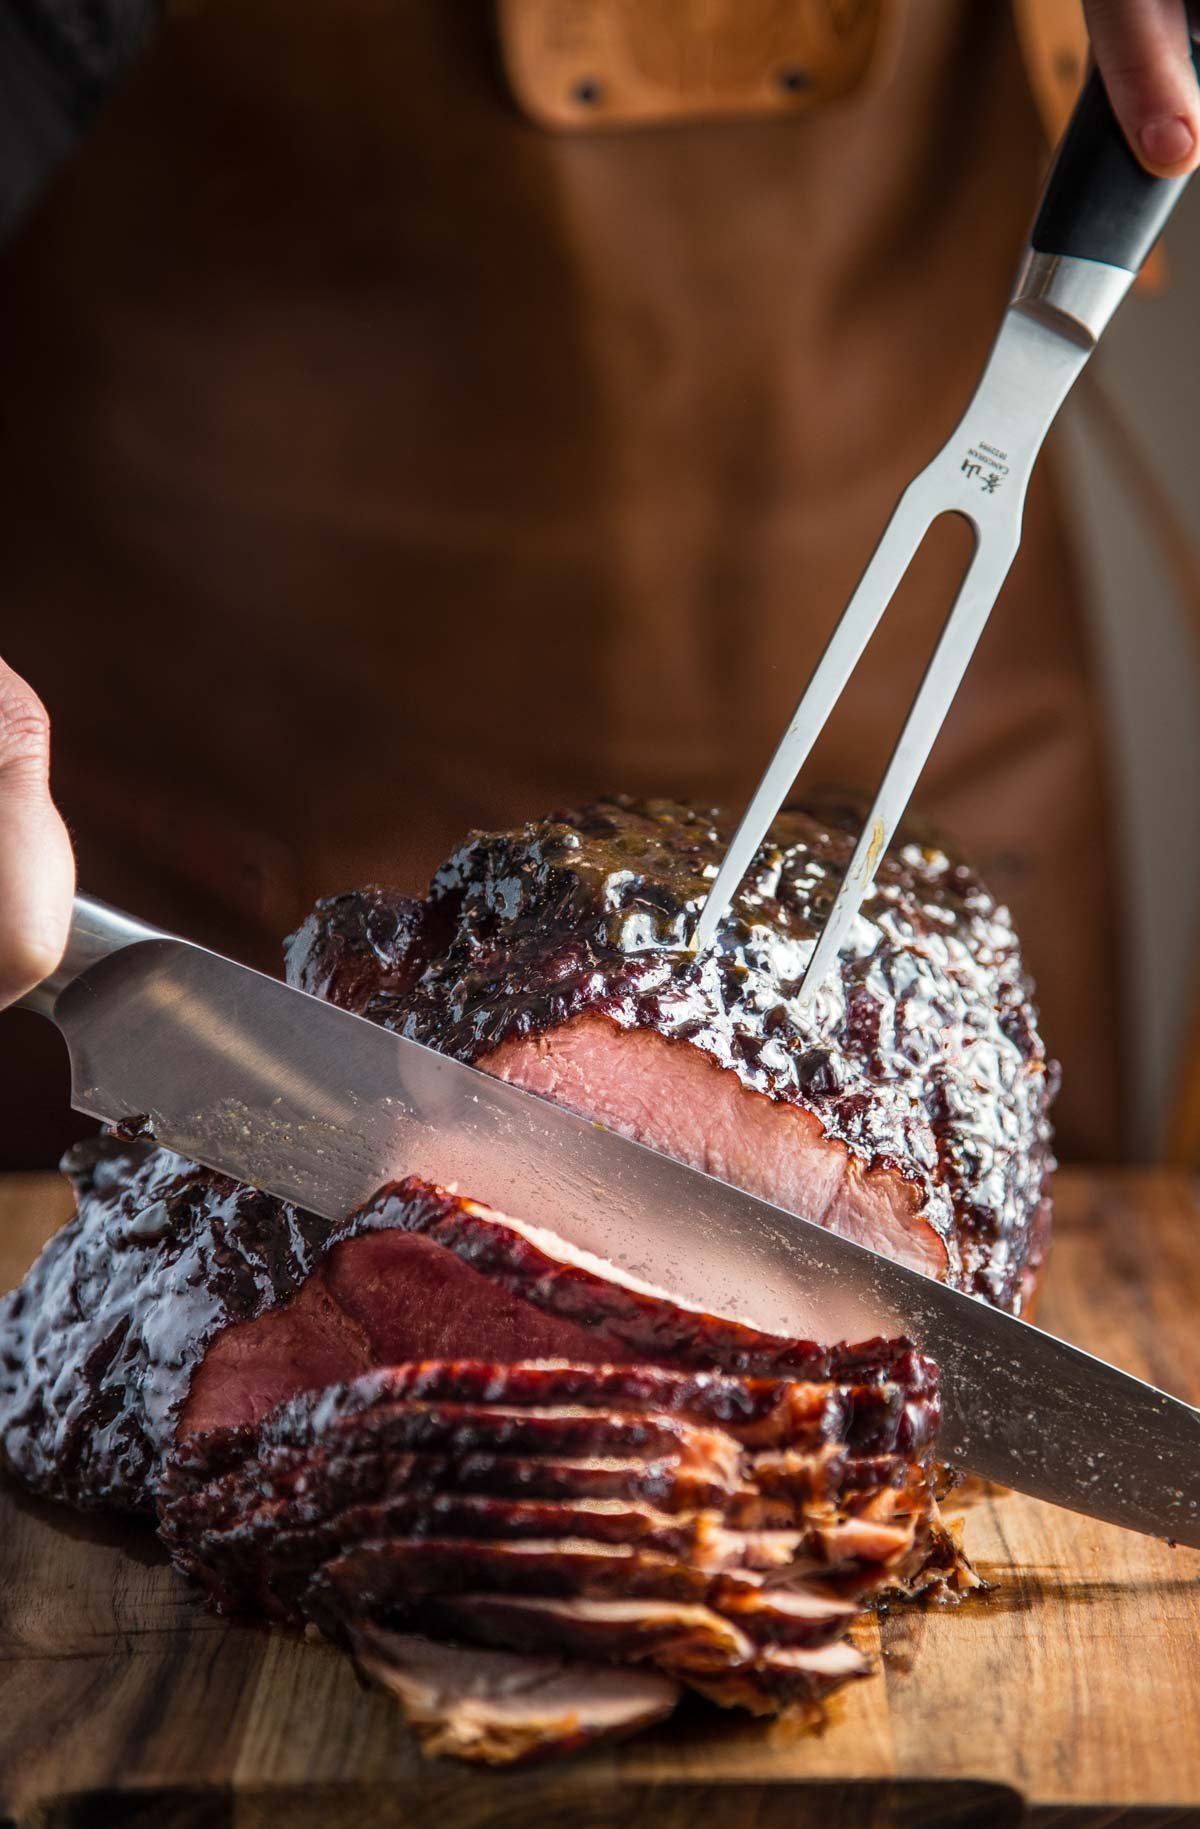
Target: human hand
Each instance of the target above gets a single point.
(37, 869)
(1143, 52)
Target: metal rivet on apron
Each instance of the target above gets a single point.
(793, 80)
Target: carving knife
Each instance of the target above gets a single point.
(322, 1108)
(1099, 217)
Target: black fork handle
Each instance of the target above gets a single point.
(1099, 202)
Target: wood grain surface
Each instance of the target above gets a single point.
(1068, 1695)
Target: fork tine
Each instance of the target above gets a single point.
(892, 557)
(956, 644)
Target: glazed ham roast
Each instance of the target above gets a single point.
(531, 1495)
(907, 1109)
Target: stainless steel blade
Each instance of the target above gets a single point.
(982, 474)
(322, 1108)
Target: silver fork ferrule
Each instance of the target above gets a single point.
(1073, 296)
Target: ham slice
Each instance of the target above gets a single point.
(502, 1708)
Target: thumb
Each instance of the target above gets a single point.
(1143, 51)
(37, 869)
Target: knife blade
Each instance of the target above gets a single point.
(322, 1108)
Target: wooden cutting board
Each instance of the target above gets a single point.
(1070, 1694)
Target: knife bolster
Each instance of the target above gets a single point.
(1073, 296)
(96, 931)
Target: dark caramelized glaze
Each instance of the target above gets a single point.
(99, 1344)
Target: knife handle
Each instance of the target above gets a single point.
(1099, 203)
(96, 931)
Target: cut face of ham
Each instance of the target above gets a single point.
(327, 1511)
(713, 1122)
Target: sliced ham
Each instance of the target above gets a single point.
(501, 1708)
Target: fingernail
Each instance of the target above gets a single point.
(1168, 141)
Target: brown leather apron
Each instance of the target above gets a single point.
(376, 464)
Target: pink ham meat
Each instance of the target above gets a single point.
(713, 1122)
